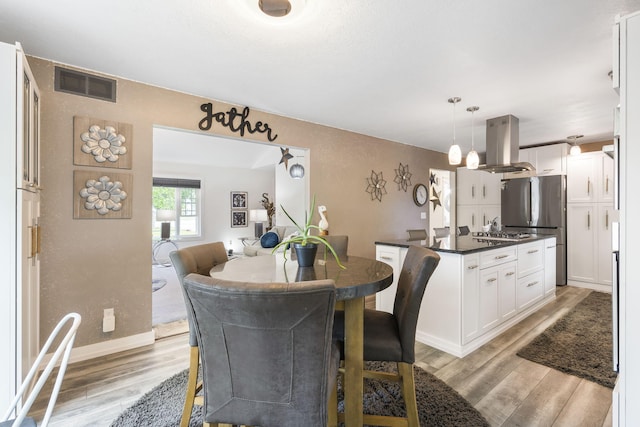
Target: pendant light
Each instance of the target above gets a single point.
(472, 158)
(455, 154)
(575, 148)
(296, 171)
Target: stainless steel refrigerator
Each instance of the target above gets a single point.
(538, 205)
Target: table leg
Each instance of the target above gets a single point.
(353, 361)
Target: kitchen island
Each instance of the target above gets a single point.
(481, 287)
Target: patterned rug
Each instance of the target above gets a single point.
(580, 343)
(438, 404)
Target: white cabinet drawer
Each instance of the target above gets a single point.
(530, 290)
(498, 256)
(530, 258)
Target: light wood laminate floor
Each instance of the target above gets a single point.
(506, 389)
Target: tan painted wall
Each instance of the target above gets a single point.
(89, 265)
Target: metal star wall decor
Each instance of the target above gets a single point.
(433, 179)
(403, 177)
(435, 198)
(285, 157)
(375, 186)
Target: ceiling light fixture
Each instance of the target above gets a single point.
(275, 8)
(278, 8)
(575, 148)
(455, 154)
(472, 158)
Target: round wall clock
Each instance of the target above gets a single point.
(420, 194)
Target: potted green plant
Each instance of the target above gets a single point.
(304, 243)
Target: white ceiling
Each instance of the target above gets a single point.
(382, 68)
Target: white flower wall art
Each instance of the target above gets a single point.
(102, 196)
(102, 143)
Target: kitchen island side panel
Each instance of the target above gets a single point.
(440, 316)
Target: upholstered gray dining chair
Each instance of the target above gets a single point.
(417, 234)
(339, 243)
(195, 259)
(267, 354)
(391, 337)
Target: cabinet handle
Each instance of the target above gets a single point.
(38, 238)
(492, 279)
(532, 251)
(473, 191)
(473, 219)
(550, 247)
(531, 284)
(606, 220)
(34, 238)
(588, 186)
(606, 185)
(484, 191)
(588, 220)
(386, 258)
(472, 267)
(511, 273)
(500, 256)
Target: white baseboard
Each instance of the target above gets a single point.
(104, 348)
(588, 285)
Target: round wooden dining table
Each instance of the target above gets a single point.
(361, 277)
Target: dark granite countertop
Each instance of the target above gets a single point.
(460, 244)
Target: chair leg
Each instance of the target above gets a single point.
(409, 393)
(194, 360)
(332, 407)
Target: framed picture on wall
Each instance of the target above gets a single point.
(239, 200)
(238, 219)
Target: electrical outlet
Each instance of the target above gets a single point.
(108, 320)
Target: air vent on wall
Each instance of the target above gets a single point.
(79, 83)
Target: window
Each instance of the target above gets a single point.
(182, 198)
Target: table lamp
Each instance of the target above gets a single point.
(258, 216)
(165, 216)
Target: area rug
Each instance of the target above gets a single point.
(580, 343)
(438, 404)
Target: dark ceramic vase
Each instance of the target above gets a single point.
(306, 254)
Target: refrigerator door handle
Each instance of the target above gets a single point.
(529, 214)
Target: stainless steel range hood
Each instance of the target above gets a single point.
(503, 146)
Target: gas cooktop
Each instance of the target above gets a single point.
(509, 236)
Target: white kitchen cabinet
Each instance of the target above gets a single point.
(590, 178)
(604, 216)
(582, 240)
(530, 290)
(549, 266)
(475, 216)
(394, 256)
(19, 213)
(589, 239)
(477, 187)
(507, 307)
(547, 159)
(471, 297)
(607, 181)
(530, 258)
(590, 197)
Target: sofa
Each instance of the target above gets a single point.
(256, 249)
